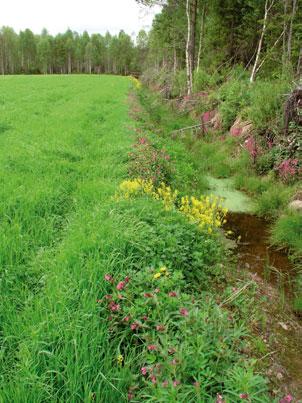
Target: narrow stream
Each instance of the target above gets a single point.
(255, 253)
(274, 268)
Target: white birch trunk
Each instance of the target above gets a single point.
(290, 34)
(201, 37)
(188, 52)
(254, 71)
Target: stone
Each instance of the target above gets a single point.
(241, 128)
(296, 205)
(212, 119)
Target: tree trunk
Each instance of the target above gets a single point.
(267, 8)
(189, 50)
(201, 38)
(69, 63)
(285, 29)
(193, 32)
(299, 65)
(175, 64)
(290, 33)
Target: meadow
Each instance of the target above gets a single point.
(112, 288)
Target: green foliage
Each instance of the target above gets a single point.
(203, 80)
(287, 231)
(179, 83)
(184, 347)
(266, 162)
(149, 162)
(233, 96)
(266, 99)
(272, 201)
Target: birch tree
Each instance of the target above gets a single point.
(268, 5)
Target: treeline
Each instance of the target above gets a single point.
(263, 36)
(70, 52)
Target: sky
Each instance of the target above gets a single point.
(94, 16)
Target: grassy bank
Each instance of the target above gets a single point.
(111, 293)
(222, 156)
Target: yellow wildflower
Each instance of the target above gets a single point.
(156, 276)
(120, 359)
(163, 269)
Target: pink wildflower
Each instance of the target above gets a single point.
(184, 312)
(144, 371)
(127, 279)
(219, 399)
(153, 379)
(152, 347)
(176, 383)
(172, 294)
(134, 326)
(287, 399)
(121, 285)
(148, 295)
(251, 146)
(145, 318)
(288, 168)
(130, 396)
(160, 328)
(126, 319)
(114, 307)
(244, 396)
(108, 277)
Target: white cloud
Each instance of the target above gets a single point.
(90, 15)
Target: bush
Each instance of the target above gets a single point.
(287, 231)
(233, 97)
(176, 347)
(273, 200)
(203, 80)
(266, 103)
(149, 162)
(265, 162)
(179, 83)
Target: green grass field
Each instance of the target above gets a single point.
(64, 145)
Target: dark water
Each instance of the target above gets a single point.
(273, 266)
(255, 253)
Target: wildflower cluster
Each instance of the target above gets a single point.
(207, 212)
(135, 187)
(148, 161)
(137, 84)
(288, 169)
(170, 340)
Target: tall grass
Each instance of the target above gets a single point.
(59, 171)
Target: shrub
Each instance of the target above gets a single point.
(287, 231)
(176, 347)
(179, 83)
(148, 162)
(272, 201)
(233, 97)
(203, 80)
(265, 103)
(288, 169)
